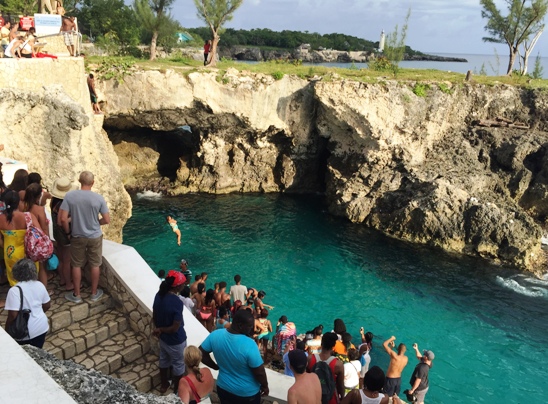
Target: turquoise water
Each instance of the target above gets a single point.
(486, 325)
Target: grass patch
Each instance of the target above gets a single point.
(424, 76)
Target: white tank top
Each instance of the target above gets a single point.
(367, 400)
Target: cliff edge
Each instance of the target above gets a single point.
(415, 167)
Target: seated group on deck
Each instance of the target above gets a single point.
(327, 367)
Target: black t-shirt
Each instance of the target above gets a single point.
(420, 372)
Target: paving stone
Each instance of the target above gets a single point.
(79, 312)
(114, 363)
(132, 353)
(60, 321)
(102, 334)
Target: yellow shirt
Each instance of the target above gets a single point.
(5, 35)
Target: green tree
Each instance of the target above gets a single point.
(109, 20)
(538, 70)
(394, 48)
(154, 16)
(524, 19)
(215, 13)
(25, 7)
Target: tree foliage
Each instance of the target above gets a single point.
(289, 40)
(394, 48)
(25, 7)
(525, 18)
(215, 13)
(155, 18)
(109, 21)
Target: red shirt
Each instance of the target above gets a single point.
(334, 399)
(207, 46)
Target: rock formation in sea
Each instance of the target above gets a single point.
(54, 136)
(413, 167)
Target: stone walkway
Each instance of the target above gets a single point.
(97, 335)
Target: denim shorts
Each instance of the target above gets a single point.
(172, 355)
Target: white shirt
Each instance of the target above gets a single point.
(7, 52)
(34, 295)
(351, 374)
(238, 292)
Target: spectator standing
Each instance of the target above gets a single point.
(419, 379)
(207, 49)
(242, 376)
(5, 35)
(13, 227)
(307, 388)
(364, 350)
(313, 346)
(35, 298)
(352, 370)
(84, 230)
(60, 188)
(31, 201)
(238, 291)
(97, 109)
(167, 315)
(398, 361)
(68, 28)
(336, 366)
(371, 393)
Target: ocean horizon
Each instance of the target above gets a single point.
(494, 65)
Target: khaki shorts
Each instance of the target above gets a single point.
(84, 250)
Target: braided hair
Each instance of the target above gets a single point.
(193, 357)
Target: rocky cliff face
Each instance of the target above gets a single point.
(413, 167)
(55, 136)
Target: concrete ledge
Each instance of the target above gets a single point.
(142, 283)
(23, 380)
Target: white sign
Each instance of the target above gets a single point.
(47, 24)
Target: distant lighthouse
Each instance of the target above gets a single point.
(381, 42)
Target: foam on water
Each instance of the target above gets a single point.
(149, 195)
(526, 290)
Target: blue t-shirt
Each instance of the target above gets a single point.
(167, 310)
(236, 355)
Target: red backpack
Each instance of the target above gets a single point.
(38, 246)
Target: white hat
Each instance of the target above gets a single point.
(61, 186)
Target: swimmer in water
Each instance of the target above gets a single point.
(173, 223)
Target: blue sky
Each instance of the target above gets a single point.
(442, 26)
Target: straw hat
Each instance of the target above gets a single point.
(61, 186)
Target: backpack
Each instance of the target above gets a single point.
(324, 373)
(38, 246)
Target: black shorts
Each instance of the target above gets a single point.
(26, 55)
(392, 386)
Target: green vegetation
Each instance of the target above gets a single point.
(114, 68)
(394, 49)
(278, 75)
(289, 40)
(154, 17)
(522, 26)
(445, 81)
(420, 89)
(538, 71)
(215, 13)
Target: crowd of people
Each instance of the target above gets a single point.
(327, 366)
(71, 239)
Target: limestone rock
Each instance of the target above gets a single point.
(405, 164)
(56, 137)
(90, 386)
